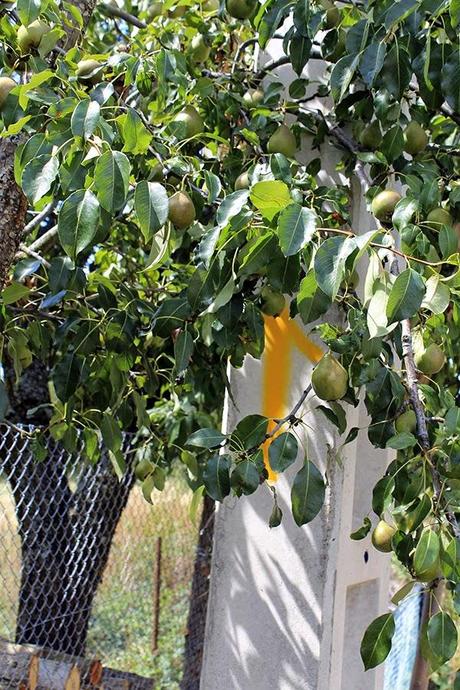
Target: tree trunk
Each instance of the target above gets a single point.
(196, 623)
(13, 205)
(65, 540)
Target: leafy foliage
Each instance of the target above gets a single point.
(136, 301)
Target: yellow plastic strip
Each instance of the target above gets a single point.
(281, 335)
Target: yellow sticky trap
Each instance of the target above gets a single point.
(281, 335)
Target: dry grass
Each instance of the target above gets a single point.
(121, 626)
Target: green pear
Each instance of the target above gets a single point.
(242, 182)
(371, 136)
(329, 378)
(199, 49)
(30, 36)
(383, 204)
(407, 421)
(241, 9)
(382, 536)
(332, 13)
(181, 210)
(415, 138)
(253, 98)
(89, 70)
(273, 302)
(190, 121)
(6, 84)
(431, 360)
(438, 217)
(282, 141)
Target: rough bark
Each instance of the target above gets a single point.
(13, 203)
(13, 208)
(196, 623)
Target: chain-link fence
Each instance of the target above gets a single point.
(89, 569)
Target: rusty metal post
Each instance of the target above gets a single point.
(156, 597)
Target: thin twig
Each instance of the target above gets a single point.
(422, 431)
(30, 252)
(36, 220)
(114, 11)
(45, 240)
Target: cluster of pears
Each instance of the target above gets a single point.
(329, 378)
(415, 137)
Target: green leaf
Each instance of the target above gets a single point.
(29, 10)
(135, 135)
(404, 212)
(111, 433)
(330, 261)
(397, 70)
(14, 292)
(426, 557)
(171, 314)
(159, 249)
(442, 636)
(437, 297)
(362, 531)
(38, 176)
(312, 302)
(77, 222)
(296, 227)
(282, 452)
(66, 376)
(245, 477)
(250, 432)
(270, 197)
(216, 477)
(401, 441)
(299, 52)
(213, 186)
(183, 349)
(151, 206)
(406, 296)
(342, 75)
(307, 494)
(231, 206)
(376, 643)
(372, 60)
(450, 81)
(400, 11)
(111, 179)
(448, 241)
(393, 144)
(206, 438)
(85, 118)
(196, 502)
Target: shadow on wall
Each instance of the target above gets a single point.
(268, 598)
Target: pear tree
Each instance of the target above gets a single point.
(154, 210)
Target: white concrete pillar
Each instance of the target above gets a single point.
(288, 606)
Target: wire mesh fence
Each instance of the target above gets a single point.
(89, 569)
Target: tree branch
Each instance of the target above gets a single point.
(36, 220)
(422, 431)
(114, 11)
